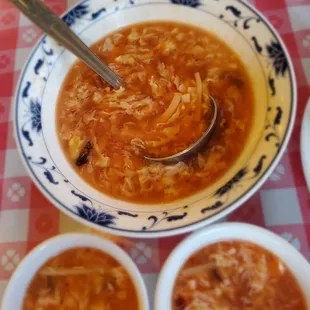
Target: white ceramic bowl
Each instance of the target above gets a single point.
(305, 143)
(223, 232)
(14, 294)
(235, 22)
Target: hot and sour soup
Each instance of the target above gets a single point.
(236, 275)
(170, 69)
(81, 279)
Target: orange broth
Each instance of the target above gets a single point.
(236, 275)
(81, 278)
(170, 69)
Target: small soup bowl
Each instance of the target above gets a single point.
(236, 23)
(297, 264)
(17, 287)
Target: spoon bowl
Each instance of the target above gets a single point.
(193, 149)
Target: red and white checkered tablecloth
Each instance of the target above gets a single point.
(27, 218)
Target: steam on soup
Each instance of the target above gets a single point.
(81, 279)
(170, 69)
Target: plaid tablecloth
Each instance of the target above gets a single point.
(27, 218)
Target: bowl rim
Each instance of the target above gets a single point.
(188, 227)
(58, 244)
(304, 148)
(181, 253)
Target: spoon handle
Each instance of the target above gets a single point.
(48, 21)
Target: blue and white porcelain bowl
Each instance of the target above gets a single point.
(235, 22)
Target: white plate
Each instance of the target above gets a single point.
(305, 144)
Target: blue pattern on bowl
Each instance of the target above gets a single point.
(48, 177)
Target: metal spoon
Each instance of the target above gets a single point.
(50, 23)
(192, 150)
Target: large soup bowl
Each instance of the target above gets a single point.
(233, 21)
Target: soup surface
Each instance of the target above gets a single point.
(236, 276)
(81, 279)
(170, 69)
